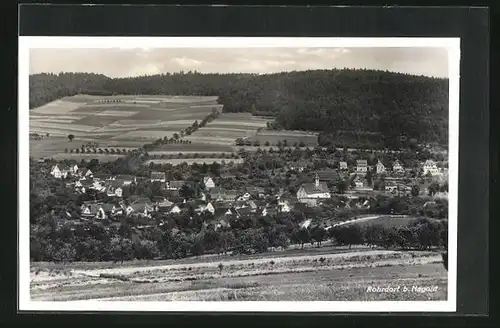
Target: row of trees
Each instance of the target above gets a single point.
(319, 100)
(192, 155)
(96, 242)
(98, 150)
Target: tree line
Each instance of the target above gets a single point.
(391, 104)
(94, 241)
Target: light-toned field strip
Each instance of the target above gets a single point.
(256, 125)
(116, 113)
(134, 122)
(114, 130)
(175, 152)
(127, 104)
(53, 120)
(57, 107)
(145, 134)
(209, 128)
(101, 157)
(65, 127)
(221, 141)
(72, 116)
(287, 133)
(190, 161)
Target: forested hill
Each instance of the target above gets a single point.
(319, 100)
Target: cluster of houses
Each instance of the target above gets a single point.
(223, 204)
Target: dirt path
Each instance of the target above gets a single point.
(131, 270)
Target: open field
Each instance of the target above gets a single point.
(326, 277)
(228, 127)
(193, 147)
(387, 221)
(190, 161)
(122, 121)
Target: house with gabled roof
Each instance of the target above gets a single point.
(208, 182)
(430, 167)
(229, 195)
(114, 189)
(157, 176)
(174, 184)
(343, 166)
(315, 190)
(397, 166)
(245, 197)
(125, 179)
(361, 166)
(88, 174)
(379, 167)
(298, 166)
(60, 171)
(141, 209)
(328, 176)
(90, 210)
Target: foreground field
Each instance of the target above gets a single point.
(326, 277)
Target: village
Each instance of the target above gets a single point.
(351, 186)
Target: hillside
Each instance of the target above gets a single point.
(358, 101)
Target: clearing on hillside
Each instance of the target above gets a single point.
(120, 120)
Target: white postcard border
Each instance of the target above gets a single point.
(26, 43)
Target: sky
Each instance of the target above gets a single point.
(116, 62)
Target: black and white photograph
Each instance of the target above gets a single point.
(238, 174)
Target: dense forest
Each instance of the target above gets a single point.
(357, 101)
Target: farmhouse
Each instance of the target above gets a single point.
(299, 166)
(90, 210)
(379, 168)
(343, 166)
(208, 182)
(391, 187)
(114, 189)
(174, 209)
(430, 167)
(142, 209)
(358, 182)
(60, 171)
(157, 176)
(125, 179)
(361, 166)
(316, 190)
(328, 176)
(174, 184)
(397, 167)
(246, 196)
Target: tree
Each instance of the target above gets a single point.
(415, 190)
(187, 191)
(301, 236)
(65, 150)
(71, 137)
(433, 188)
(267, 144)
(318, 234)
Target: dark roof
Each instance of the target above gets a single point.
(107, 207)
(311, 188)
(176, 183)
(215, 192)
(125, 177)
(86, 183)
(116, 183)
(328, 175)
(157, 175)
